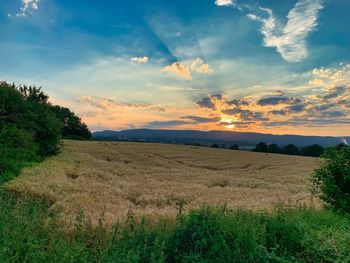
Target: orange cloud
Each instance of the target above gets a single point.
(185, 70)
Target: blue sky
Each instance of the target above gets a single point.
(161, 64)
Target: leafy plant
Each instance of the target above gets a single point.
(332, 180)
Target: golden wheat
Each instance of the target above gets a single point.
(154, 179)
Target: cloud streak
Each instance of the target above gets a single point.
(290, 39)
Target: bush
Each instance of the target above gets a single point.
(31, 128)
(332, 180)
(31, 232)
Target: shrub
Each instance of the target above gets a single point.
(332, 179)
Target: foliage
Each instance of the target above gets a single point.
(261, 147)
(30, 232)
(291, 149)
(314, 150)
(73, 127)
(332, 179)
(31, 128)
(274, 148)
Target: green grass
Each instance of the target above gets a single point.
(30, 232)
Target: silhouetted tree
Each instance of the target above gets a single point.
(215, 145)
(73, 127)
(273, 148)
(291, 149)
(32, 93)
(261, 147)
(314, 150)
(235, 147)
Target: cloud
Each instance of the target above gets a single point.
(278, 112)
(109, 104)
(224, 2)
(200, 67)
(210, 101)
(165, 124)
(27, 7)
(179, 69)
(237, 103)
(277, 100)
(185, 70)
(335, 92)
(198, 119)
(206, 103)
(140, 59)
(297, 108)
(246, 115)
(290, 39)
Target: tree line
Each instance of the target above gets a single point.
(314, 150)
(31, 127)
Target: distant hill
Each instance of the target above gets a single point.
(247, 139)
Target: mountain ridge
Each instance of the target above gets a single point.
(217, 136)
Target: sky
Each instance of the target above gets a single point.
(270, 66)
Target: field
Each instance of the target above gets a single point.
(154, 180)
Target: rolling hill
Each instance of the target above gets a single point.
(247, 139)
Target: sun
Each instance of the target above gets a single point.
(229, 122)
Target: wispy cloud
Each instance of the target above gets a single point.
(143, 59)
(27, 7)
(290, 39)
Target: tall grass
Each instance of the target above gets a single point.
(30, 232)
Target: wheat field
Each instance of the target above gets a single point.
(154, 180)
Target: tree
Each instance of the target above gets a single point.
(314, 150)
(32, 93)
(261, 147)
(215, 145)
(73, 127)
(291, 149)
(273, 148)
(28, 110)
(332, 180)
(235, 147)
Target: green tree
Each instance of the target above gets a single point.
(273, 148)
(291, 149)
(332, 179)
(73, 127)
(314, 150)
(261, 147)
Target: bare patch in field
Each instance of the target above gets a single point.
(154, 179)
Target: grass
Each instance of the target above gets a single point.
(31, 228)
(153, 179)
(30, 232)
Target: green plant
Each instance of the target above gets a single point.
(332, 180)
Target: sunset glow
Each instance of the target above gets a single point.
(261, 66)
